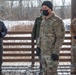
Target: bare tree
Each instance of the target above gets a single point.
(2, 8)
(28, 10)
(62, 10)
(20, 9)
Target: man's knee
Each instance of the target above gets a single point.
(52, 71)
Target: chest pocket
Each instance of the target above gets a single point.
(49, 28)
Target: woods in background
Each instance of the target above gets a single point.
(29, 9)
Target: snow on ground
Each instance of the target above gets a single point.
(10, 24)
(18, 22)
(26, 22)
(67, 21)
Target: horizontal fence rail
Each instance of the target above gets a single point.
(19, 47)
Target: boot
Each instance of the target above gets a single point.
(49, 73)
(73, 70)
(42, 73)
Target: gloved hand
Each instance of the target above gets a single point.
(33, 38)
(74, 37)
(38, 51)
(0, 34)
(55, 57)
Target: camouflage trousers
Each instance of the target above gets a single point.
(49, 67)
(73, 54)
(1, 53)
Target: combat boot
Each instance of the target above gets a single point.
(42, 73)
(49, 73)
(73, 70)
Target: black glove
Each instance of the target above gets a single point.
(0, 34)
(33, 38)
(38, 51)
(74, 37)
(55, 57)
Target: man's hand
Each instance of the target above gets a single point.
(33, 38)
(55, 57)
(74, 37)
(38, 51)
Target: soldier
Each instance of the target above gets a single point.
(35, 32)
(73, 48)
(51, 37)
(3, 32)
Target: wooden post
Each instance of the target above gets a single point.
(33, 53)
(73, 9)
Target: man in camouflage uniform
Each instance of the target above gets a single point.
(73, 48)
(3, 32)
(51, 37)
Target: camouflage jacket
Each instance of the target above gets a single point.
(36, 28)
(73, 30)
(51, 36)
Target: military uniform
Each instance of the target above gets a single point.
(3, 32)
(50, 40)
(73, 48)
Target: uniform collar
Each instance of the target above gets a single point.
(50, 16)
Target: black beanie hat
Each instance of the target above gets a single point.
(48, 4)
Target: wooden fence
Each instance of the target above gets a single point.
(19, 47)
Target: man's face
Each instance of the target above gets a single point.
(44, 7)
